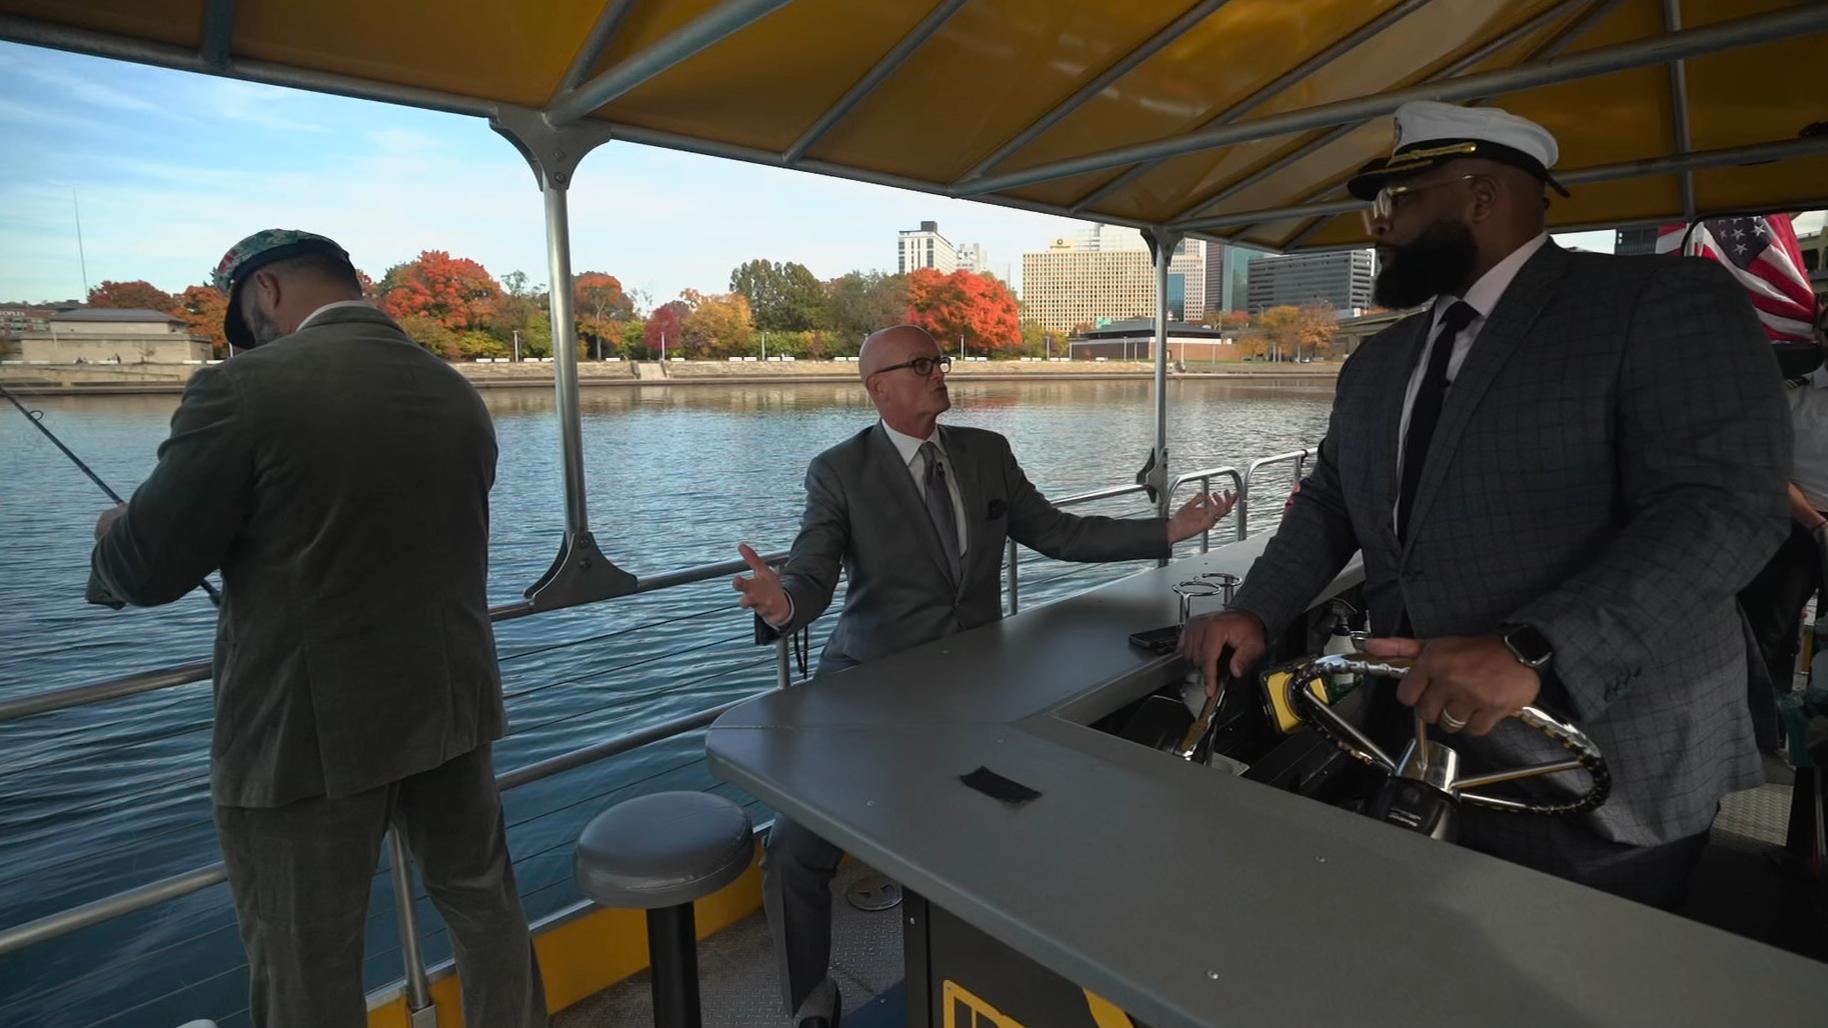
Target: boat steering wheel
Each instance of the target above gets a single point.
(1432, 764)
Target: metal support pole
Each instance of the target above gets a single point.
(1015, 591)
(783, 665)
(419, 1006)
(672, 955)
(1163, 243)
(565, 357)
(1678, 98)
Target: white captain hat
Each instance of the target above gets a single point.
(1429, 133)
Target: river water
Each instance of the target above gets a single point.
(104, 798)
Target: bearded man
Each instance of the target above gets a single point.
(1559, 472)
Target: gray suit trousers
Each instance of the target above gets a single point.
(797, 870)
(301, 874)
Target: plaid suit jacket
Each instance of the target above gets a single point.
(1609, 467)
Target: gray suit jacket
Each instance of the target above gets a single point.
(864, 514)
(339, 478)
(1609, 467)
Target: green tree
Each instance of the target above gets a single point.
(782, 297)
(862, 302)
(429, 333)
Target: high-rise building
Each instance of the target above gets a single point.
(1630, 241)
(924, 247)
(971, 257)
(1341, 279)
(1227, 277)
(1189, 265)
(1068, 284)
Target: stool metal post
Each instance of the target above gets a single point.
(672, 951)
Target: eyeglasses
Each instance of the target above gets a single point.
(923, 366)
(1389, 198)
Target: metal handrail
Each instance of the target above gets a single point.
(1300, 459)
(199, 671)
(1204, 476)
(152, 894)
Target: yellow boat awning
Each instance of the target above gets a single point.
(1228, 119)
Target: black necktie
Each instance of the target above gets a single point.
(939, 506)
(1427, 410)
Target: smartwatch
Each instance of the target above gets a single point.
(1529, 646)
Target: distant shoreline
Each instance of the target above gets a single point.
(154, 380)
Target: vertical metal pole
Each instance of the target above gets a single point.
(1678, 93)
(1015, 598)
(1206, 536)
(565, 358)
(783, 666)
(418, 987)
(1164, 253)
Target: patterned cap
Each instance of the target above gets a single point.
(256, 251)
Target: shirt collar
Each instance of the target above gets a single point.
(1483, 297)
(909, 446)
(309, 318)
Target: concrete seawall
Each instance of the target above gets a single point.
(133, 379)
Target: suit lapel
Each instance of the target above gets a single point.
(891, 474)
(1503, 332)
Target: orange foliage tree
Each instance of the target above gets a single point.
(977, 307)
(135, 294)
(201, 308)
(456, 292)
(603, 307)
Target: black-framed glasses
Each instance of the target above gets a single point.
(923, 366)
(1389, 198)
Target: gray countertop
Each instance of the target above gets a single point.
(1187, 896)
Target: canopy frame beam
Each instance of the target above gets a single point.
(218, 33)
(596, 44)
(1276, 87)
(1678, 107)
(1163, 38)
(916, 37)
(689, 41)
(1503, 41)
(1739, 32)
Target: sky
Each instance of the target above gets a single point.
(170, 168)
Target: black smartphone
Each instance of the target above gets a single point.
(1159, 641)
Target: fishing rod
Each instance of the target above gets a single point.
(36, 417)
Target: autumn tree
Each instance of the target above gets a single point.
(136, 294)
(602, 308)
(1281, 329)
(456, 292)
(864, 301)
(782, 297)
(718, 326)
(202, 309)
(431, 334)
(661, 334)
(977, 308)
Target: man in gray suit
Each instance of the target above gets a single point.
(1568, 522)
(339, 477)
(918, 515)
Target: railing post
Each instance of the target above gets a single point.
(783, 663)
(419, 1008)
(1015, 601)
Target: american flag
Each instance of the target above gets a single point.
(1762, 254)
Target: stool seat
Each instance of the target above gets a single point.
(663, 850)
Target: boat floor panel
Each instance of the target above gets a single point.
(736, 971)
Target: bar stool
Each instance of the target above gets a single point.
(658, 853)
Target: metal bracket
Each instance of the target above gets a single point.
(552, 151)
(1154, 476)
(580, 574)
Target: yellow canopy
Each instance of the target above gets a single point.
(1228, 119)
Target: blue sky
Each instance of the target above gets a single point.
(172, 167)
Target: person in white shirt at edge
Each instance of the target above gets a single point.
(1774, 600)
(917, 515)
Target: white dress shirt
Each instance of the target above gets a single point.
(330, 307)
(909, 448)
(1809, 419)
(1483, 297)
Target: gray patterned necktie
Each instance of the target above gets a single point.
(939, 506)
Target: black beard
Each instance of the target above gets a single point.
(1435, 263)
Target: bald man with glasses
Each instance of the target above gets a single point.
(918, 515)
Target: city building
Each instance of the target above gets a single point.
(1628, 242)
(101, 335)
(971, 257)
(924, 247)
(1134, 339)
(17, 321)
(1068, 285)
(1187, 277)
(1340, 279)
(1228, 277)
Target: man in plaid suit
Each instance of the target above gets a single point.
(1559, 473)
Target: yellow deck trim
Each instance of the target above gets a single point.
(588, 954)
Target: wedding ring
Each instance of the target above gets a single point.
(1451, 723)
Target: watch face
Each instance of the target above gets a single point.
(1529, 644)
